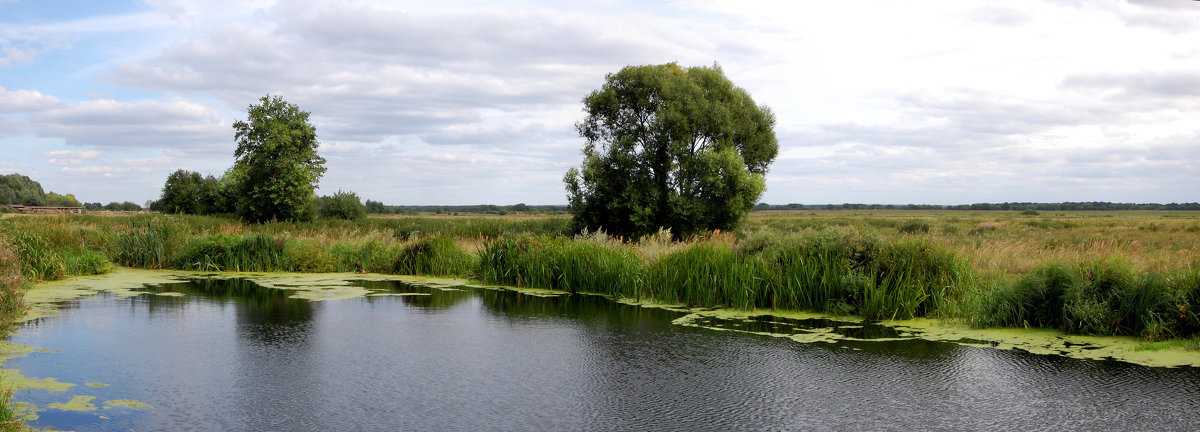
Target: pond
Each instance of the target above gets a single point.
(230, 354)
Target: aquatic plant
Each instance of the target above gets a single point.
(147, 243)
(39, 259)
(436, 256)
(709, 274)
(229, 252)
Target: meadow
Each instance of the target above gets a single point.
(1105, 273)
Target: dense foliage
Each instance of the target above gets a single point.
(19, 189)
(342, 205)
(186, 192)
(669, 147)
(277, 162)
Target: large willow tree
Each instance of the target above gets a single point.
(669, 147)
(277, 162)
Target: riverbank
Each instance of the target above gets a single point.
(1108, 274)
(45, 300)
(207, 346)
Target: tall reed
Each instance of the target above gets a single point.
(435, 256)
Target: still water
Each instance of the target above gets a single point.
(231, 355)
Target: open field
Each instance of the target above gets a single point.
(1004, 241)
(1107, 273)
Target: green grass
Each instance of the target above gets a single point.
(9, 422)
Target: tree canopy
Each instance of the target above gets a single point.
(277, 162)
(19, 189)
(56, 200)
(670, 147)
(185, 192)
(188, 192)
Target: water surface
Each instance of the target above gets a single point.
(231, 355)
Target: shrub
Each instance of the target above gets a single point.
(342, 205)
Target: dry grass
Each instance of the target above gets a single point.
(1007, 242)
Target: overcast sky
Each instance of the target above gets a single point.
(463, 102)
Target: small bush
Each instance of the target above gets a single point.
(342, 205)
(1030, 212)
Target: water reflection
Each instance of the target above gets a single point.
(426, 298)
(230, 355)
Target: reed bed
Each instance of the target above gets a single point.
(1123, 273)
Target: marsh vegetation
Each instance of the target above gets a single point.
(1118, 273)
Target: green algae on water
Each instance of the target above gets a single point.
(77, 403)
(25, 411)
(125, 403)
(1035, 341)
(43, 298)
(92, 384)
(15, 380)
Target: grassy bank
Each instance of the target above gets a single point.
(1120, 273)
(12, 307)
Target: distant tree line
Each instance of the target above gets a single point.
(376, 207)
(1063, 206)
(18, 189)
(112, 206)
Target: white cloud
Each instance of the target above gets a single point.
(176, 124)
(70, 157)
(17, 101)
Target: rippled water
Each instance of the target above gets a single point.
(229, 355)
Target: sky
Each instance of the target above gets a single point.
(475, 102)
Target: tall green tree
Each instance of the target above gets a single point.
(184, 192)
(19, 189)
(277, 161)
(670, 147)
(224, 198)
